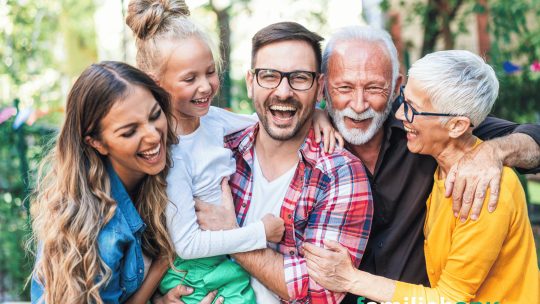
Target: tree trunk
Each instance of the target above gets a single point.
(431, 30)
(223, 18)
(483, 34)
(438, 18)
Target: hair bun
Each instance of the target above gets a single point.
(147, 17)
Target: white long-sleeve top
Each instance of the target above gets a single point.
(200, 161)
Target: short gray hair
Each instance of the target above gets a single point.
(363, 33)
(457, 82)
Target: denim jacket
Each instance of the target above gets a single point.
(119, 243)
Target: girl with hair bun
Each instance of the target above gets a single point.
(98, 207)
(181, 58)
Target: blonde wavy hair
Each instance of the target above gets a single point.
(72, 199)
(157, 26)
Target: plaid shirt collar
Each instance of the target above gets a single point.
(309, 150)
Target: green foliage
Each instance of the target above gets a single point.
(17, 157)
(516, 37)
(519, 97)
(31, 53)
(514, 29)
(26, 37)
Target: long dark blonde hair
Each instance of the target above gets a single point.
(72, 199)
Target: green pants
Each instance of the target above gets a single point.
(208, 274)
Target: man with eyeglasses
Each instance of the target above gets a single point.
(282, 170)
(362, 80)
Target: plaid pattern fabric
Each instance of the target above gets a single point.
(329, 198)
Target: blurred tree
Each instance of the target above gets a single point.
(223, 10)
(26, 48)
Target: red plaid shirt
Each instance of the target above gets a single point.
(329, 198)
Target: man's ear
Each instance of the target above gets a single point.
(399, 83)
(249, 83)
(96, 144)
(458, 125)
(320, 90)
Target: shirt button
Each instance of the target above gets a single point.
(292, 252)
(289, 216)
(140, 270)
(244, 204)
(380, 244)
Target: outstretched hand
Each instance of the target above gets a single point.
(468, 180)
(174, 295)
(332, 268)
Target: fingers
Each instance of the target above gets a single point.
(201, 205)
(340, 139)
(478, 201)
(210, 297)
(317, 130)
(317, 251)
(173, 296)
(467, 200)
(334, 246)
(313, 269)
(226, 195)
(181, 290)
(457, 195)
(494, 187)
(326, 139)
(449, 183)
(319, 261)
(332, 145)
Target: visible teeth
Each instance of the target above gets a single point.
(410, 130)
(151, 152)
(282, 108)
(201, 100)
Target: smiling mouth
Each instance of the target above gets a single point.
(359, 120)
(282, 111)
(152, 154)
(201, 101)
(409, 130)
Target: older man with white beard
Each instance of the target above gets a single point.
(362, 80)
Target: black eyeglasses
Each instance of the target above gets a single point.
(410, 112)
(271, 79)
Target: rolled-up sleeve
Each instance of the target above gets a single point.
(342, 211)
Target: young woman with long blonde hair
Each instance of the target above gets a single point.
(98, 210)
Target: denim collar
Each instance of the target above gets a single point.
(124, 202)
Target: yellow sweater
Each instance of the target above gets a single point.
(492, 259)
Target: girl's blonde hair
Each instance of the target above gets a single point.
(157, 23)
(72, 199)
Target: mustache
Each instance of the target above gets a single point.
(367, 114)
(289, 101)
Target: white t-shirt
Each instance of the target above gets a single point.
(200, 161)
(267, 198)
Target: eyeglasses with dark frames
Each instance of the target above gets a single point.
(410, 112)
(298, 80)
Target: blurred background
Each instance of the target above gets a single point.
(45, 44)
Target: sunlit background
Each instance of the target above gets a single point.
(45, 44)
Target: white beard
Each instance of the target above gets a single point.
(357, 136)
